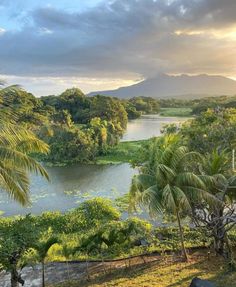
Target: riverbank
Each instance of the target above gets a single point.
(138, 132)
(69, 184)
(124, 152)
(176, 112)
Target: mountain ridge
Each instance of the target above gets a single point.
(181, 86)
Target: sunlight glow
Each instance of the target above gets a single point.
(218, 34)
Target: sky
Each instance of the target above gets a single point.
(48, 46)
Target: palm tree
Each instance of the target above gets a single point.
(169, 185)
(66, 252)
(16, 146)
(42, 249)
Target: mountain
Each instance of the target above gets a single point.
(183, 86)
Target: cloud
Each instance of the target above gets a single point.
(124, 39)
(2, 31)
(55, 85)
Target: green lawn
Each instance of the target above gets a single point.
(164, 274)
(176, 112)
(123, 152)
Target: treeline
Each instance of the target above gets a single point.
(76, 127)
(200, 105)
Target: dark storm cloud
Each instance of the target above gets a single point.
(122, 37)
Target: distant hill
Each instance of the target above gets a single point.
(183, 86)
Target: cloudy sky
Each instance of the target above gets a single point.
(50, 45)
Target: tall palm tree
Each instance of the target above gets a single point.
(16, 146)
(169, 185)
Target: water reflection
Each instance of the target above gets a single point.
(148, 126)
(70, 185)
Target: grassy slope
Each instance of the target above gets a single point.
(176, 112)
(164, 274)
(123, 152)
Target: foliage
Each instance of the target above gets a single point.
(92, 213)
(115, 237)
(176, 112)
(24, 107)
(123, 152)
(168, 184)
(94, 221)
(69, 145)
(217, 216)
(145, 105)
(214, 129)
(16, 238)
(16, 145)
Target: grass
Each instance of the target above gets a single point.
(164, 274)
(176, 112)
(123, 152)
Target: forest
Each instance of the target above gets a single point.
(76, 127)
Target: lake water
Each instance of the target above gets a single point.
(148, 126)
(72, 184)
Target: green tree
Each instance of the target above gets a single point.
(62, 118)
(16, 238)
(218, 216)
(16, 146)
(69, 145)
(92, 213)
(110, 109)
(214, 129)
(24, 107)
(168, 184)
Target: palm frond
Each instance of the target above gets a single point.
(16, 183)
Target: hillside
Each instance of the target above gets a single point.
(183, 86)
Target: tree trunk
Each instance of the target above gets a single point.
(219, 246)
(43, 274)
(14, 277)
(230, 255)
(219, 233)
(184, 252)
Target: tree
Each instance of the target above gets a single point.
(73, 101)
(69, 144)
(167, 184)
(25, 108)
(16, 145)
(42, 249)
(214, 129)
(218, 216)
(63, 118)
(146, 105)
(67, 251)
(92, 213)
(110, 109)
(16, 237)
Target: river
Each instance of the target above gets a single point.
(72, 184)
